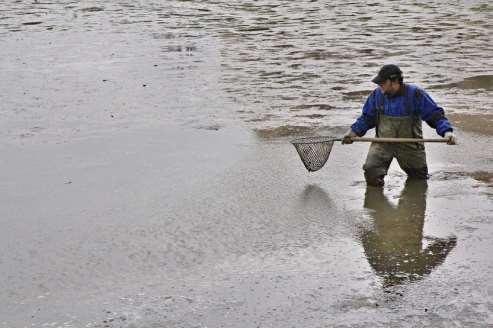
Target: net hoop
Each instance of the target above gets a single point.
(314, 151)
(313, 140)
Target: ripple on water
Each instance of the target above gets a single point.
(272, 53)
(32, 23)
(92, 9)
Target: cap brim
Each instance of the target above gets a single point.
(377, 80)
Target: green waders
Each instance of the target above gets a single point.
(410, 156)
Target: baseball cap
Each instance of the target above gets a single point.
(389, 71)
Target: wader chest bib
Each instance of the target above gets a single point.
(410, 156)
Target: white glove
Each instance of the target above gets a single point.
(451, 138)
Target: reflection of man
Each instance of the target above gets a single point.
(394, 245)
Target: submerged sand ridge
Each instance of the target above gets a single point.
(480, 82)
(476, 123)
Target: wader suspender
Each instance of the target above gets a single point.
(407, 101)
(410, 110)
(407, 104)
(380, 111)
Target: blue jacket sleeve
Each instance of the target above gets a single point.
(368, 119)
(432, 114)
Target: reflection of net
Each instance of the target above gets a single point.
(313, 151)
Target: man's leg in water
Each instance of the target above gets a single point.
(377, 163)
(412, 161)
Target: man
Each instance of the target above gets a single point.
(396, 110)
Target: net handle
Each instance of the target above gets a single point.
(392, 140)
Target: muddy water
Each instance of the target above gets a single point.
(134, 194)
(132, 230)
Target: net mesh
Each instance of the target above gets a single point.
(313, 151)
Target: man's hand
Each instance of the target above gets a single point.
(451, 138)
(348, 137)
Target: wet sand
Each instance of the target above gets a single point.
(478, 123)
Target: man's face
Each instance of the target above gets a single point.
(389, 87)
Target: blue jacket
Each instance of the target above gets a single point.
(420, 102)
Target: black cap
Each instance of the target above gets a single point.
(387, 72)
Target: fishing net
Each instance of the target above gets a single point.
(314, 151)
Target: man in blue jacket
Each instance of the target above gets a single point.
(395, 109)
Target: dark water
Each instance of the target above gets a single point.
(210, 64)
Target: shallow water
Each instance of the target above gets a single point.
(224, 230)
(147, 178)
